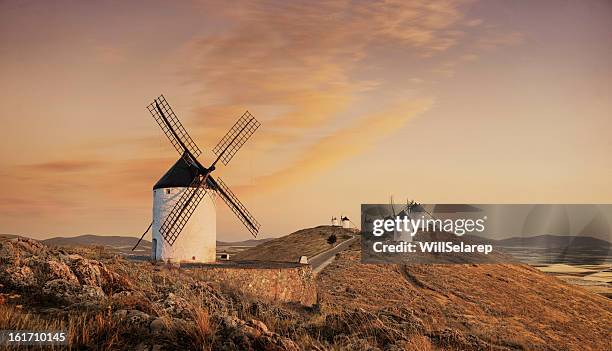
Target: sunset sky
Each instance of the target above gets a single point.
(438, 101)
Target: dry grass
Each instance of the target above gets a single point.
(305, 242)
(468, 307)
(98, 331)
(362, 307)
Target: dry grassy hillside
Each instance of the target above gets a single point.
(108, 303)
(289, 248)
(465, 307)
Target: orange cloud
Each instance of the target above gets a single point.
(298, 63)
(61, 166)
(345, 143)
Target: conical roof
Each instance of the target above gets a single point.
(179, 175)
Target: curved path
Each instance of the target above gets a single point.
(320, 261)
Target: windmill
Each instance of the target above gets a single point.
(334, 221)
(346, 222)
(184, 210)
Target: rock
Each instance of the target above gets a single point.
(123, 295)
(20, 278)
(8, 253)
(158, 325)
(113, 282)
(13, 251)
(138, 318)
(156, 348)
(87, 271)
(29, 247)
(95, 273)
(259, 325)
(70, 258)
(120, 314)
(249, 331)
(253, 334)
(176, 306)
(49, 269)
(65, 292)
(231, 322)
(275, 342)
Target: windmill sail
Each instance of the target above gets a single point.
(236, 206)
(236, 137)
(183, 209)
(193, 194)
(172, 127)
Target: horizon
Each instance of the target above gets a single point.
(280, 236)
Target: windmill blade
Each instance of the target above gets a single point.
(172, 127)
(183, 209)
(236, 206)
(236, 137)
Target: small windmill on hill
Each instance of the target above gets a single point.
(184, 210)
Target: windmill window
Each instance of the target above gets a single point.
(168, 191)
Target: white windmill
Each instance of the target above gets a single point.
(184, 209)
(346, 223)
(334, 221)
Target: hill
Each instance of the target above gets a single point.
(460, 307)
(250, 242)
(108, 302)
(289, 248)
(555, 241)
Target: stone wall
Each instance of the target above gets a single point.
(279, 284)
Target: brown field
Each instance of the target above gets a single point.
(112, 303)
(595, 278)
(467, 307)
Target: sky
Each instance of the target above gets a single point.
(437, 101)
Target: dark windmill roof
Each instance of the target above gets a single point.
(179, 175)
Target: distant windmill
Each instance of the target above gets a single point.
(346, 222)
(334, 221)
(187, 191)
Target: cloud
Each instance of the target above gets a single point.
(296, 65)
(345, 143)
(72, 187)
(300, 58)
(61, 166)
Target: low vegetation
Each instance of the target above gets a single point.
(108, 303)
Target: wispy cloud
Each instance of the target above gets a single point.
(345, 143)
(61, 166)
(299, 64)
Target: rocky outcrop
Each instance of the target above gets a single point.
(176, 306)
(65, 292)
(251, 335)
(94, 273)
(54, 275)
(159, 305)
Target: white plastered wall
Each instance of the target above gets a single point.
(197, 241)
